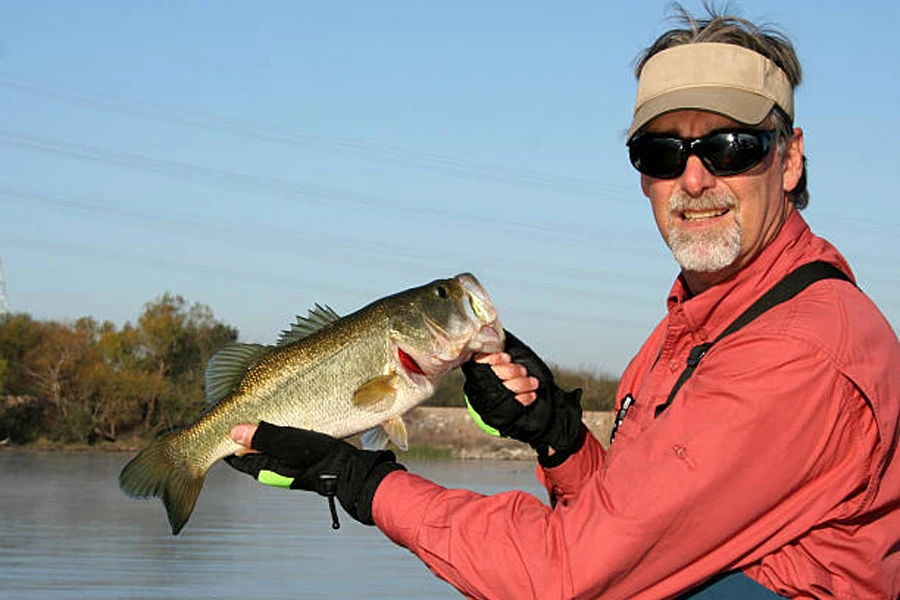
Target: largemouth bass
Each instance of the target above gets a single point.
(340, 376)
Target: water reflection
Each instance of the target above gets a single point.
(66, 531)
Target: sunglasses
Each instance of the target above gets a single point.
(723, 153)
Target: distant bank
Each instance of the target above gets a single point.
(435, 432)
(452, 432)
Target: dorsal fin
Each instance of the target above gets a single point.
(227, 366)
(319, 318)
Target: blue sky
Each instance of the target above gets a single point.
(260, 157)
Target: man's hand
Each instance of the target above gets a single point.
(514, 392)
(514, 376)
(301, 459)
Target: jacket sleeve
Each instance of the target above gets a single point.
(750, 456)
(564, 482)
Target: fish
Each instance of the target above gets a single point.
(343, 376)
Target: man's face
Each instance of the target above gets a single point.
(716, 225)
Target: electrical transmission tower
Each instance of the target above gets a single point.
(4, 303)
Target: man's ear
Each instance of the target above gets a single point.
(793, 162)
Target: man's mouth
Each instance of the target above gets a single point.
(699, 215)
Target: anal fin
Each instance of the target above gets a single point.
(393, 430)
(396, 431)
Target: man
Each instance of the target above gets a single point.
(753, 456)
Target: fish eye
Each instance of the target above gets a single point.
(442, 292)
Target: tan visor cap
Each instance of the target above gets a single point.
(721, 78)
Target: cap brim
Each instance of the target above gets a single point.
(741, 105)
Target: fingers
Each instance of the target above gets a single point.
(516, 379)
(503, 367)
(297, 448)
(264, 437)
(510, 372)
(274, 440)
(243, 435)
(521, 384)
(527, 398)
(514, 376)
(250, 464)
(492, 358)
(525, 389)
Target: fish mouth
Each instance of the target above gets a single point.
(489, 337)
(484, 333)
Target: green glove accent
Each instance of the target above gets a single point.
(274, 479)
(477, 418)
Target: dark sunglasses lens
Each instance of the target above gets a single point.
(730, 153)
(658, 156)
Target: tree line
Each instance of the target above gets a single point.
(84, 382)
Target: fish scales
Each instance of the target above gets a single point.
(285, 389)
(320, 398)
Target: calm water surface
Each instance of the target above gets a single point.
(68, 532)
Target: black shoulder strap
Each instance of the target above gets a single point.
(793, 283)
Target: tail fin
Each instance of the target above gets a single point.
(158, 472)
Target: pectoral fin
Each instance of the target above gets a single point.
(377, 392)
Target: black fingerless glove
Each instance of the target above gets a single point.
(553, 420)
(301, 459)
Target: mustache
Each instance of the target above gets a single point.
(680, 202)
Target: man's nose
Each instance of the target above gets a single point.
(696, 179)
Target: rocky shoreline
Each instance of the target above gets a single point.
(452, 431)
(434, 432)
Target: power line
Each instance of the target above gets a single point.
(398, 256)
(353, 249)
(328, 196)
(284, 188)
(275, 186)
(460, 167)
(258, 277)
(285, 239)
(293, 136)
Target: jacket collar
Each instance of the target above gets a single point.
(709, 312)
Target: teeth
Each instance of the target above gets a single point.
(703, 214)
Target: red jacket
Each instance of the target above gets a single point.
(778, 458)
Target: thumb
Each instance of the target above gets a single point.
(243, 434)
(298, 447)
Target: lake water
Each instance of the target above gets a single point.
(68, 532)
